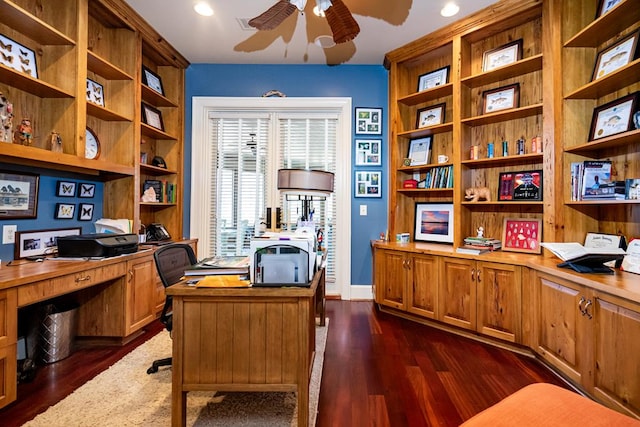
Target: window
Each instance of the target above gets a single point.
(244, 148)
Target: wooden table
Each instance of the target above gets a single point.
(243, 339)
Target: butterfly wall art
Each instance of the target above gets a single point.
(18, 57)
(85, 212)
(86, 191)
(95, 93)
(65, 189)
(65, 210)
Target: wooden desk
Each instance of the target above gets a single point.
(252, 339)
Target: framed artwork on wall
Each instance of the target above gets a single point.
(502, 98)
(18, 57)
(65, 189)
(522, 235)
(520, 186)
(152, 117)
(18, 195)
(152, 80)
(616, 56)
(501, 56)
(86, 190)
(95, 93)
(434, 78)
(40, 242)
(368, 121)
(85, 212)
(614, 117)
(368, 184)
(368, 152)
(433, 222)
(65, 210)
(430, 116)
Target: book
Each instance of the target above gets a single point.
(157, 187)
(223, 281)
(473, 250)
(483, 242)
(596, 179)
(219, 266)
(573, 251)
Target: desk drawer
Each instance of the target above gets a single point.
(45, 289)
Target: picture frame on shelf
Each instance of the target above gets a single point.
(368, 183)
(86, 190)
(520, 186)
(18, 57)
(502, 98)
(433, 222)
(420, 151)
(616, 56)
(152, 80)
(522, 235)
(433, 78)
(152, 116)
(144, 158)
(64, 211)
(368, 152)
(95, 93)
(34, 243)
(368, 121)
(605, 6)
(430, 116)
(502, 55)
(614, 117)
(85, 211)
(18, 195)
(65, 189)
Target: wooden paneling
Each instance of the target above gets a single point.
(458, 293)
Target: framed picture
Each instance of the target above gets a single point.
(430, 116)
(432, 79)
(95, 93)
(86, 190)
(502, 98)
(613, 117)
(368, 152)
(522, 235)
(18, 195)
(605, 6)
(64, 210)
(65, 189)
(144, 158)
(152, 80)
(520, 186)
(420, 151)
(152, 117)
(85, 212)
(40, 242)
(616, 56)
(18, 57)
(501, 56)
(434, 222)
(368, 184)
(369, 121)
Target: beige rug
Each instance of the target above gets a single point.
(125, 395)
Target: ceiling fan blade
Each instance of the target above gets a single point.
(273, 16)
(343, 25)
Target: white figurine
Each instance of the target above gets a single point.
(480, 232)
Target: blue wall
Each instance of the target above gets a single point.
(367, 85)
(47, 200)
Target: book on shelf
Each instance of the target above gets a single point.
(488, 242)
(473, 249)
(573, 251)
(221, 265)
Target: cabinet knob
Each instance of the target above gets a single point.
(473, 274)
(478, 275)
(582, 300)
(586, 309)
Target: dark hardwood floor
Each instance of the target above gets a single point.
(379, 370)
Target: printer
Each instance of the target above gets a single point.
(97, 245)
(283, 259)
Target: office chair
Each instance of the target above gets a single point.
(171, 261)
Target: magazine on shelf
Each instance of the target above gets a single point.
(596, 179)
(473, 250)
(220, 265)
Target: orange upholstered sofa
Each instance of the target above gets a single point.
(541, 405)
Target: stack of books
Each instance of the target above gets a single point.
(591, 180)
(479, 245)
(217, 266)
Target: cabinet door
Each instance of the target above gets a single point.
(616, 379)
(8, 347)
(561, 335)
(390, 277)
(499, 288)
(458, 292)
(141, 294)
(422, 285)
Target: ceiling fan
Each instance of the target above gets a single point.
(343, 26)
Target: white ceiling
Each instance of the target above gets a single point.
(385, 25)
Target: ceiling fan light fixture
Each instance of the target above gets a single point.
(342, 24)
(449, 9)
(324, 41)
(203, 8)
(320, 7)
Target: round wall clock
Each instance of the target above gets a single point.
(91, 145)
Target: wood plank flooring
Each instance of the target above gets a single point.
(379, 370)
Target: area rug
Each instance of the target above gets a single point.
(125, 395)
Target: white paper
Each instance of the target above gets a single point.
(571, 250)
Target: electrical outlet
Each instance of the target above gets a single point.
(363, 210)
(9, 234)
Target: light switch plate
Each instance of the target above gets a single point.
(363, 210)
(9, 234)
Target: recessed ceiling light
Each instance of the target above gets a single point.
(203, 8)
(449, 9)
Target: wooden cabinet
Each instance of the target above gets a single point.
(407, 281)
(8, 346)
(591, 337)
(482, 296)
(103, 42)
(140, 294)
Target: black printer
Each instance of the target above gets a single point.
(97, 245)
